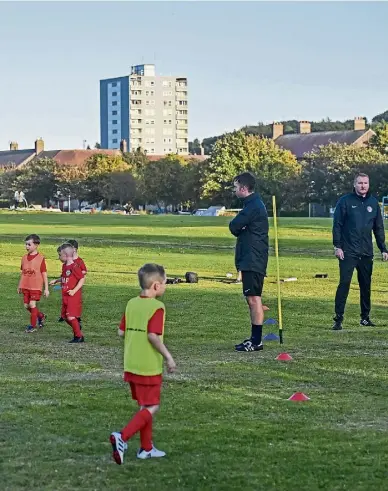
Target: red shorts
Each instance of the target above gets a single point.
(31, 295)
(146, 395)
(71, 306)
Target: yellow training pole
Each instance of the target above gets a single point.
(275, 223)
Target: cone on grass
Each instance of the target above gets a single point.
(299, 396)
(284, 357)
(271, 337)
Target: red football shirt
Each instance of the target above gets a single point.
(155, 326)
(71, 275)
(79, 262)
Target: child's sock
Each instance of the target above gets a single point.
(257, 331)
(146, 436)
(138, 422)
(75, 326)
(33, 316)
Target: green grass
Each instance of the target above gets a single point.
(225, 421)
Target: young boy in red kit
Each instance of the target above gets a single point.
(79, 261)
(143, 328)
(72, 280)
(33, 276)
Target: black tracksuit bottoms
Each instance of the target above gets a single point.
(364, 267)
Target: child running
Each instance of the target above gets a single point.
(143, 329)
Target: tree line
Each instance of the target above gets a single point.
(290, 126)
(321, 177)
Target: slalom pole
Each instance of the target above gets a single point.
(277, 269)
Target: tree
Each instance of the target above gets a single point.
(73, 180)
(195, 147)
(380, 117)
(99, 167)
(379, 141)
(8, 181)
(163, 181)
(38, 180)
(237, 152)
(97, 145)
(329, 170)
(193, 172)
(120, 186)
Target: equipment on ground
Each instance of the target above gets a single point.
(191, 277)
(277, 269)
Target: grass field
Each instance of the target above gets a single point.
(225, 420)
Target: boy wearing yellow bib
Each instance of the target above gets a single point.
(142, 326)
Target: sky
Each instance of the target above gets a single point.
(245, 62)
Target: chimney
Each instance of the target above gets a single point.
(123, 146)
(14, 146)
(359, 124)
(39, 146)
(304, 127)
(277, 130)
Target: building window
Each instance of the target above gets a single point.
(114, 84)
(114, 132)
(167, 121)
(150, 121)
(114, 140)
(114, 121)
(114, 94)
(182, 103)
(167, 140)
(136, 102)
(150, 112)
(167, 93)
(114, 113)
(150, 103)
(150, 93)
(167, 131)
(167, 83)
(150, 131)
(114, 103)
(167, 103)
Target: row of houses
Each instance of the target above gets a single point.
(298, 143)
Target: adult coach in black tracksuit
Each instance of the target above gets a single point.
(356, 215)
(250, 227)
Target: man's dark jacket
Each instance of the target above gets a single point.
(250, 227)
(355, 218)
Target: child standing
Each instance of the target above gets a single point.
(72, 280)
(143, 328)
(76, 257)
(33, 276)
(81, 264)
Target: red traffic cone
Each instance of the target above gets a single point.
(284, 357)
(299, 396)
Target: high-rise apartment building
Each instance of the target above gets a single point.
(146, 111)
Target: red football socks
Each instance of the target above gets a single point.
(137, 423)
(74, 323)
(33, 316)
(146, 436)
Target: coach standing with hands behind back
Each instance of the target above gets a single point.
(250, 227)
(356, 215)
